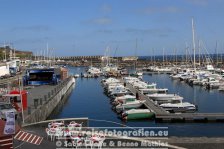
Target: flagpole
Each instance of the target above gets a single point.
(21, 97)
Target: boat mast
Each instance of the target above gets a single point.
(47, 56)
(153, 56)
(14, 54)
(216, 51)
(5, 52)
(163, 57)
(199, 52)
(221, 58)
(193, 37)
(136, 46)
(175, 55)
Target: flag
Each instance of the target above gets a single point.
(10, 123)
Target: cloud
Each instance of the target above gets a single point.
(101, 21)
(152, 10)
(106, 8)
(35, 28)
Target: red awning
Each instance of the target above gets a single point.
(28, 137)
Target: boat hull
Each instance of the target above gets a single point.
(119, 108)
(136, 116)
(180, 110)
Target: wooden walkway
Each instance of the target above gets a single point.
(149, 103)
(191, 117)
(163, 116)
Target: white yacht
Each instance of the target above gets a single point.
(163, 70)
(119, 91)
(94, 71)
(129, 105)
(130, 79)
(165, 98)
(116, 87)
(179, 107)
(153, 90)
(109, 81)
(124, 99)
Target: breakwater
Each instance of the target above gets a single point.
(45, 99)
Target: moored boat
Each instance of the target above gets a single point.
(153, 90)
(179, 107)
(124, 99)
(221, 88)
(129, 105)
(133, 114)
(165, 98)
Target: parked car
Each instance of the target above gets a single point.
(6, 107)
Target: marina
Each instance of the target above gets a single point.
(121, 102)
(112, 74)
(106, 117)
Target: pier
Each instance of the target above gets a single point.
(163, 116)
(42, 100)
(149, 103)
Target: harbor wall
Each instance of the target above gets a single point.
(43, 110)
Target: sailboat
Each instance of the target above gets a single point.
(109, 68)
(136, 73)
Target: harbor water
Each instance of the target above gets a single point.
(88, 100)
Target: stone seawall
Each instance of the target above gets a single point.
(43, 110)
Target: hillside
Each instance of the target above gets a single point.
(18, 53)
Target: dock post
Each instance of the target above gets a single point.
(45, 98)
(41, 101)
(36, 103)
(29, 110)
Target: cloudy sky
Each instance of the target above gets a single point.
(88, 27)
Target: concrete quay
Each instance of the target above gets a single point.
(42, 100)
(171, 142)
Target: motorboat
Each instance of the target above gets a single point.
(109, 81)
(165, 98)
(133, 114)
(114, 87)
(123, 99)
(179, 107)
(129, 105)
(94, 71)
(153, 90)
(119, 91)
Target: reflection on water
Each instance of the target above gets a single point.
(87, 100)
(58, 109)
